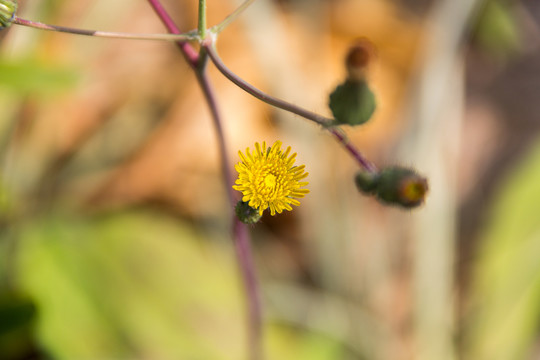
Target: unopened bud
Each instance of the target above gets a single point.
(401, 186)
(246, 213)
(367, 181)
(358, 59)
(8, 8)
(352, 103)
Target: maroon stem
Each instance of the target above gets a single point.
(189, 52)
(210, 97)
(245, 257)
(325, 122)
(355, 153)
(241, 234)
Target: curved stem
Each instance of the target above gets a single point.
(229, 19)
(118, 35)
(355, 153)
(209, 95)
(240, 230)
(327, 123)
(269, 99)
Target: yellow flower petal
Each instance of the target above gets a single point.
(268, 179)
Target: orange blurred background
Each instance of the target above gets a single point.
(114, 215)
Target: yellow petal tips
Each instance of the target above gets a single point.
(268, 178)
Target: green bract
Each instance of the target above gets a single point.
(246, 213)
(8, 8)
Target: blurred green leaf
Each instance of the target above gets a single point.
(131, 286)
(31, 75)
(506, 290)
(497, 30)
(15, 313)
(17, 319)
(142, 286)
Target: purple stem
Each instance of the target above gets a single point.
(357, 155)
(189, 52)
(240, 231)
(244, 255)
(241, 234)
(325, 122)
(210, 97)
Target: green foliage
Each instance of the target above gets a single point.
(497, 29)
(17, 318)
(506, 290)
(32, 75)
(352, 103)
(141, 285)
(15, 312)
(130, 286)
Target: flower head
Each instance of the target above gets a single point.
(268, 178)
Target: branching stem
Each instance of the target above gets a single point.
(326, 123)
(240, 231)
(190, 54)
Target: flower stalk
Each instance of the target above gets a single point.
(325, 122)
(241, 236)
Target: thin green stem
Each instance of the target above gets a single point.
(189, 36)
(229, 19)
(202, 19)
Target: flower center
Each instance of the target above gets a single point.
(270, 181)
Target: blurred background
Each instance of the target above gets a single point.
(115, 229)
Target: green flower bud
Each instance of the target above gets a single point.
(401, 186)
(8, 8)
(246, 213)
(352, 103)
(367, 181)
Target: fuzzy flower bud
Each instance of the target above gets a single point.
(352, 103)
(401, 186)
(8, 8)
(367, 182)
(358, 59)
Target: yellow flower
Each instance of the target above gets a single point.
(268, 179)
